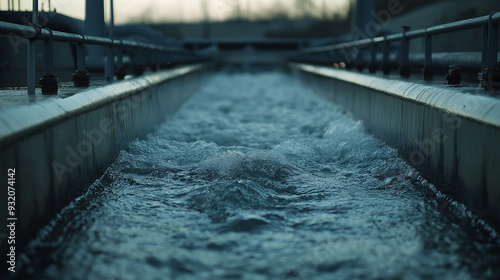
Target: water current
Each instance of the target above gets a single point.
(257, 178)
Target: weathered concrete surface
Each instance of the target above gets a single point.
(451, 137)
(59, 146)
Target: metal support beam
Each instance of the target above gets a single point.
(491, 75)
(428, 68)
(31, 55)
(49, 80)
(385, 66)
(81, 77)
(492, 45)
(360, 60)
(94, 26)
(109, 67)
(372, 68)
(120, 72)
(404, 58)
(484, 46)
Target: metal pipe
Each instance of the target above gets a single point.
(31, 56)
(10, 29)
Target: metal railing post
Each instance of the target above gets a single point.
(81, 77)
(360, 60)
(138, 63)
(484, 47)
(49, 80)
(31, 55)
(385, 66)
(109, 66)
(404, 66)
(428, 70)
(120, 72)
(372, 68)
(491, 74)
(492, 45)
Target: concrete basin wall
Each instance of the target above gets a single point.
(59, 146)
(451, 137)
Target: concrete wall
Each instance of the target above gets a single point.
(452, 138)
(59, 146)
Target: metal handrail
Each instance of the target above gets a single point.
(81, 77)
(35, 33)
(419, 33)
(490, 72)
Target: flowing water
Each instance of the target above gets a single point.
(257, 178)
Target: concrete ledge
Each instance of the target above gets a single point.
(451, 137)
(59, 146)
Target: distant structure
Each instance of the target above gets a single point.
(361, 14)
(206, 19)
(95, 26)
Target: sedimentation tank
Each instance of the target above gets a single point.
(201, 174)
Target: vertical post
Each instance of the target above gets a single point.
(80, 57)
(386, 67)
(111, 20)
(110, 61)
(49, 80)
(120, 69)
(47, 57)
(360, 60)
(81, 77)
(206, 19)
(404, 66)
(94, 25)
(31, 56)
(362, 15)
(484, 47)
(491, 74)
(109, 66)
(138, 69)
(428, 69)
(492, 45)
(372, 68)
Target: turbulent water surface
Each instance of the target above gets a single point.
(256, 178)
